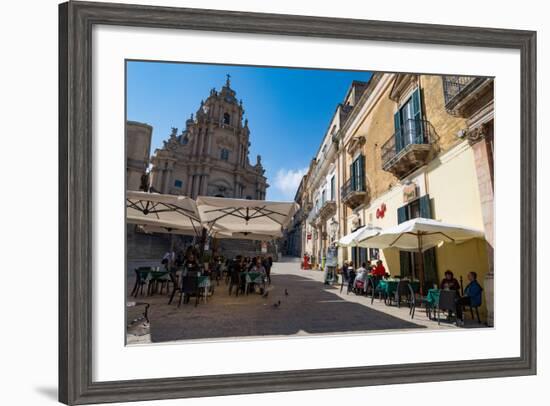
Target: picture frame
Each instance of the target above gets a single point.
(76, 20)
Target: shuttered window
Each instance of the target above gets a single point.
(357, 174)
(410, 260)
(408, 123)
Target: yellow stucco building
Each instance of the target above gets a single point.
(415, 146)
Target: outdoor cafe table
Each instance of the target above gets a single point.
(254, 277)
(389, 286)
(432, 298)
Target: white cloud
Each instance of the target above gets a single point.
(287, 181)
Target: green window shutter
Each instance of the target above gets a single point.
(425, 207)
(352, 176)
(402, 214)
(430, 268)
(417, 115)
(404, 263)
(361, 185)
(397, 126)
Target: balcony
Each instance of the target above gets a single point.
(465, 93)
(327, 210)
(412, 146)
(354, 192)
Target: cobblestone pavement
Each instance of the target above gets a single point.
(310, 308)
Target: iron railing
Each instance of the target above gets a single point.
(412, 132)
(454, 87)
(353, 185)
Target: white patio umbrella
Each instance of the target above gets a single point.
(166, 229)
(419, 235)
(159, 210)
(247, 235)
(352, 239)
(245, 216)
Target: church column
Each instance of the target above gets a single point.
(200, 151)
(196, 181)
(197, 142)
(211, 133)
(206, 177)
(189, 185)
(168, 184)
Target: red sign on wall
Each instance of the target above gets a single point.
(381, 211)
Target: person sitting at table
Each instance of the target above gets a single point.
(449, 282)
(472, 296)
(361, 277)
(191, 264)
(345, 274)
(379, 270)
(257, 267)
(168, 260)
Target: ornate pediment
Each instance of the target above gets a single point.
(402, 84)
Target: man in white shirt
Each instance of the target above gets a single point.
(361, 277)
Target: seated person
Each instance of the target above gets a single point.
(259, 268)
(351, 275)
(379, 270)
(472, 295)
(449, 282)
(361, 277)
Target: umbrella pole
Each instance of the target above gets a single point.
(421, 264)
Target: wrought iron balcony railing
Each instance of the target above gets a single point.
(414, 136)
(456, 87)
(352, 185)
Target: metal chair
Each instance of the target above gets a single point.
(447, 302)
(141, 280)
(412, 301)
(476, 307)
(189, 287)
(402, 290)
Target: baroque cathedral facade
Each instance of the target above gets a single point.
(210, 156)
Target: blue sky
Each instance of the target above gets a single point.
(288, 110)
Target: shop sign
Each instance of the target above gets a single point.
(381, 211)
(409, 192)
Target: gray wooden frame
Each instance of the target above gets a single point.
(75, 184)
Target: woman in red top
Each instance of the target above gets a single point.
(379, 269)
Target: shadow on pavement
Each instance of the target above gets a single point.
(311, 307)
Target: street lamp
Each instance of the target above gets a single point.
(334, 229)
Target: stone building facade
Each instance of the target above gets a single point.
(210, 156)
(410, 146)
(138, 147)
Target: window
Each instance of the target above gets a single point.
(178, 183)
(408, 122)
(224, 155)
(333, 188)
(410, 261)
(357, 174)
(227, 118)
(323, 197)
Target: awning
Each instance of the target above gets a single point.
(352, 239)
(420, 234)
